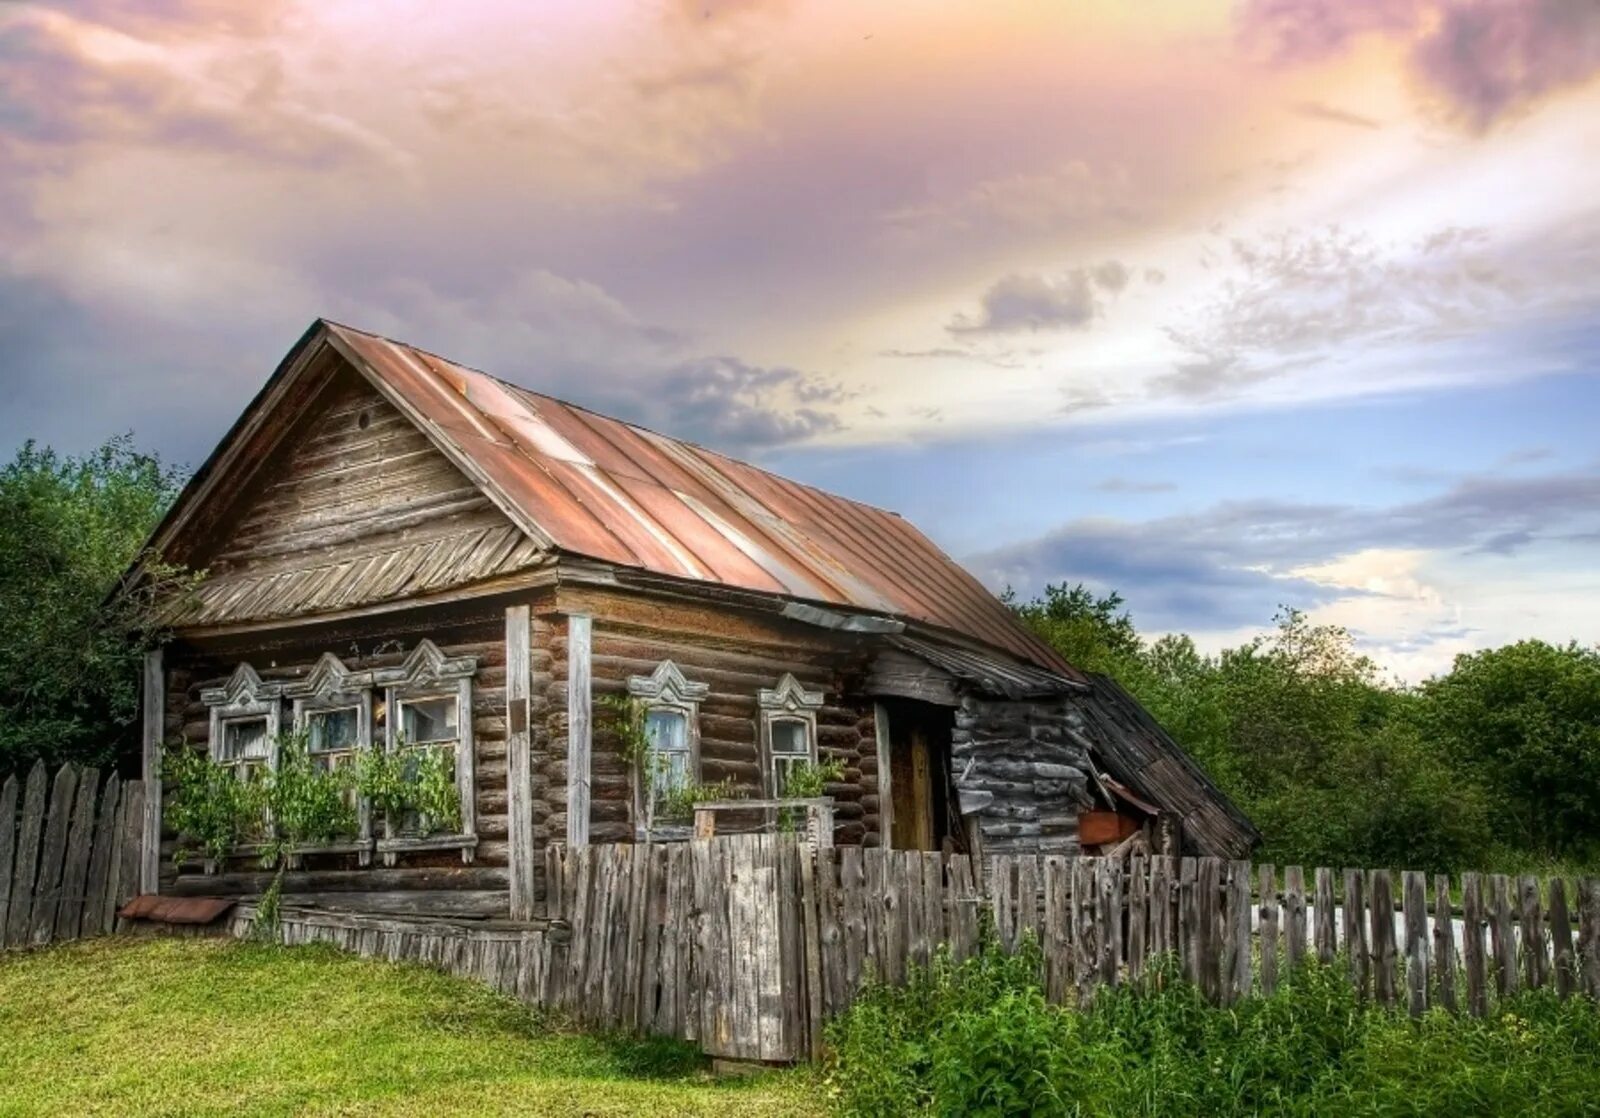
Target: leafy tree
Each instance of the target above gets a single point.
(69, 662)
(1524, 721)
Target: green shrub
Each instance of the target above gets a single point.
(979, 1038)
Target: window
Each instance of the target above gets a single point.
(672, 727)
(430, 721)
(791, 746)
(333, 735)
(244, 722)
(788, 731)
(245, 745)
(428, 715)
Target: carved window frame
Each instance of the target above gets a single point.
(245, 697)
(788, 702)
(330, 686)
(427, 673)
(666, 689)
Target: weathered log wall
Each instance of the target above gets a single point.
(423, 881)
(1024, 753)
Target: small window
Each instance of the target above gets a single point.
(430, 721)
(668, 734)
(244, 740)
(333, 737)
(791, 746)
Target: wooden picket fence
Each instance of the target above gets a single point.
(69, 854)
(749, 944)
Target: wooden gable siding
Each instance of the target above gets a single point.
(433, 882)
(357, 507)
(737, 655)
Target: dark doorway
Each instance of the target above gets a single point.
(920, 816)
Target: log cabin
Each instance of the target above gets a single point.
(397, 552)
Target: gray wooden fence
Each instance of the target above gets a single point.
(69, 854)
(748, 944)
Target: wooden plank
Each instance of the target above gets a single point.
(1414, 897)
(1191, 940)
(1138, 913)
(1473, 957)
(1355, 930)
(580, 732)
(908, 872)
(667, 1020)
(1236, 978)
(1268, 914)
(75, 871)
(933, 906)
(964, 902)
(1208, 892)
(771, 927)
(1027, 897)
(1108, 919)
(1057, 928)
(1086, 933)
(30, 827)
(852, 887)
(792, 991)
(519, 760)
(1163, 924)
(153, 734)
(1002, 886)
(1563, 963)
(98, 914)
(1325, 936)
(1589, 935)
(52, 852)
(582, 860)
(631, 996)
(815, 985)
(873, 863)
(8, 846)
(1535, 951)
(1502, 934)
(830, 917)
(1444, 944)
(1381, 888)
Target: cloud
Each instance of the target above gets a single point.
(1069, 195)
(1316, 110)
(1480, 61)
(1034, 302)
(1231, 564)
(1132, 485)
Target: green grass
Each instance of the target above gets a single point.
(209, 1027)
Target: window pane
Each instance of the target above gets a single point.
(426, 720)
(332, 730)
(244, 739)
(789, 736)
(667, 730)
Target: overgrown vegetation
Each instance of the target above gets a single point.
(69, 663)
(1496, 763)
(978, 1038)
(208, 1027)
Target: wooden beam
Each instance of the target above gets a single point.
(580, 730)
(519, 761)
(880, 726)
(155, 718)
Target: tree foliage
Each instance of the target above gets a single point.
(1497, 761)
(70, 528)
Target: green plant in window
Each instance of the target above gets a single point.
(308, 804)
(678, 804)
(433, 792)
(809, 780)
(207, 804)
(382, 780)
(405, 780)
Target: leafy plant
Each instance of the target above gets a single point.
(406, 781)
(308, 804)
(678, 803)
(208, 805)
(809, 780)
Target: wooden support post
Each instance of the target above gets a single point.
(580, 730)
(519, 761)
(155, 722)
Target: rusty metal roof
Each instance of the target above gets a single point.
(592, 486)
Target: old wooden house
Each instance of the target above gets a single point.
(402, 553)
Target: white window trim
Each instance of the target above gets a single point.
(666, 689)
(331, 686)
(243, 697)
(787, 702)
(429, 673)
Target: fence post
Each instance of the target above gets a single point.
(1327, 939)
(1472, 952)
(1561, 939)
(1269, 928)
(1414, 891)
(8, 844)
(1355, 929)
(1503, 934)
(1535, 968)
(1444, 942)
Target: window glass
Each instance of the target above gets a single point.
(332, 731)
(789, 736)
(245, 739)
(668, 734)
(429, 720)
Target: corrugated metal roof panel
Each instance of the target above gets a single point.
(604, 489)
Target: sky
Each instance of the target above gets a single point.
(1223, 306)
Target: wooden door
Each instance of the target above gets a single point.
(911, 784)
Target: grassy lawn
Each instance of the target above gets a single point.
(209, 1027)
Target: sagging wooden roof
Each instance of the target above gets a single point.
(1143, 756)
(581, 484)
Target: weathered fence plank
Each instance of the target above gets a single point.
(1235, 961)
(1355, 929)
(1268, 916)
(30, 826)
(75, 870)
(1138, 913)
(1208, 928)
(1414, 897)
(52, 853)
(1085, 931)
(1444, 944)
(130, 842)
(1326, 939)
(1383, 950)
(1589, 935)
(1502, 934)
(1057, 928)
(1563, 965)
(8, 845)
(1108, 918)
(1163, 885)
(964, 903)
(1473, 957)
(1535, 956)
